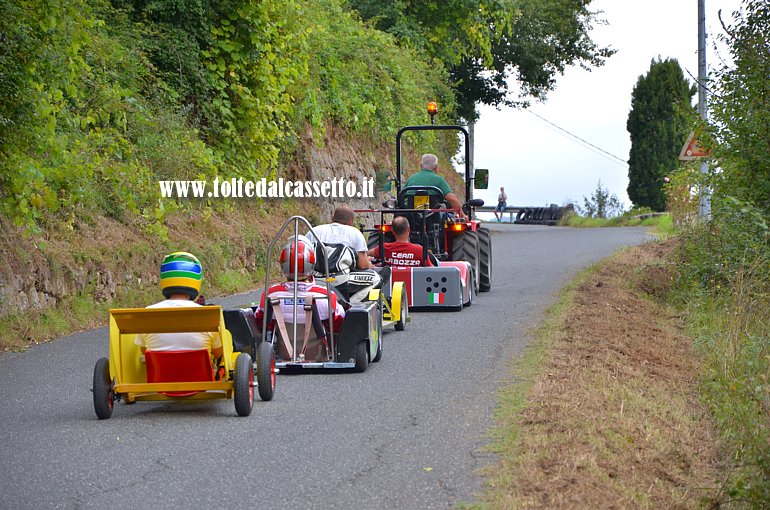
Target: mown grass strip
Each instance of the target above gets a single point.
(602, 410)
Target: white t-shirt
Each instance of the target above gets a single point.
(177, 341)
(334, 233)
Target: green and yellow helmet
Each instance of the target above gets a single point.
(181, 273)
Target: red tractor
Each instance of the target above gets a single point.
(436, 227)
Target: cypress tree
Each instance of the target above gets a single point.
(659, 123)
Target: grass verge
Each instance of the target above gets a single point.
(732, 337)
(662, 224)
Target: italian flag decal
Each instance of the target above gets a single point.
(436, 298)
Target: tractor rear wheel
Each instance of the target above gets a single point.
(485, 260)
(466, 247)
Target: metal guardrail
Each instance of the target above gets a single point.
(510, 210)
(531, 215)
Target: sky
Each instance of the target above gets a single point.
(538, 164)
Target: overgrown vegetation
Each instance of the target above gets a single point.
(724, 286)
(724, 278)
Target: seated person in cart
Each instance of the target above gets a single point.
(308, 291)
(180, 281)
(346, 251)
(401, 252)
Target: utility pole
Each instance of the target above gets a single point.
(472, 142)
(704, 204)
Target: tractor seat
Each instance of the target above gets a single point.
(418, 197)
(179, 366)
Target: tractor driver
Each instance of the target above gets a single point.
(180, 281)
(401, 252)
(427, 176)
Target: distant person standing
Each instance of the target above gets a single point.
(502, 203)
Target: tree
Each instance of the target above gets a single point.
(740, 108)
(601, 204)
(540, 39)
(659, 122)
(483, 43)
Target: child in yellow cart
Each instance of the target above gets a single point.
(181, 275)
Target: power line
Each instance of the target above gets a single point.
(600, 154)
(586, 143)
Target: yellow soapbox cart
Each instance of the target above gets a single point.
(130, 376)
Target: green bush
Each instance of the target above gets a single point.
(716, 253)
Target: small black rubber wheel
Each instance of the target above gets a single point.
(404, 315)
(103, 389)
(378, 356)
(362, 357)
(242, 382)
(266, 371)
(471, 293)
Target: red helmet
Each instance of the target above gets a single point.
(305, 258)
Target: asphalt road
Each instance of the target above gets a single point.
(408, 433)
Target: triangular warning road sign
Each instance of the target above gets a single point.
(692, 149)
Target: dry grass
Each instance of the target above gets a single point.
(612, 420)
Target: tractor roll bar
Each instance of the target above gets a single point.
(435, 128)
